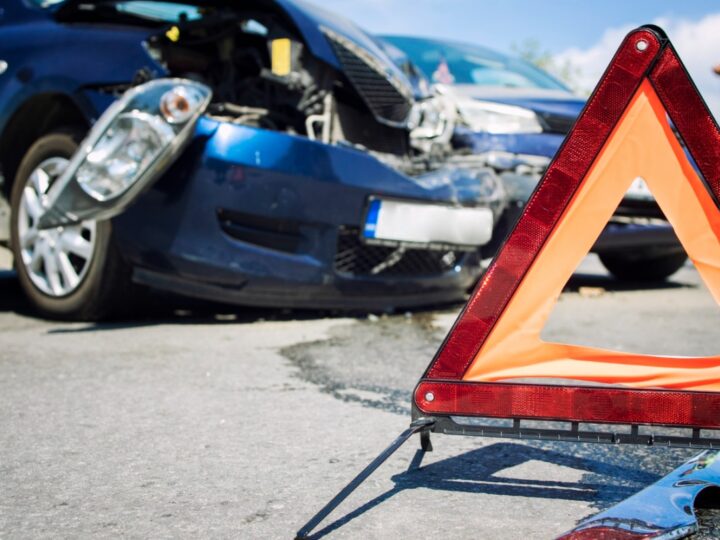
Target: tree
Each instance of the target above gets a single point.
(531, 51)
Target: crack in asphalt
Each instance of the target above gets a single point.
(310, 370)
(368, 362)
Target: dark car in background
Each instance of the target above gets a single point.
(516, 116)
(262, 153)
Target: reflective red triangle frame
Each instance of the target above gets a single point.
(656, 61)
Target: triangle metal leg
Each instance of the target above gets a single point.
(421, 425)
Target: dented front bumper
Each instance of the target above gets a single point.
(261, 217)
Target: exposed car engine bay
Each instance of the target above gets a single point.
(260, 76)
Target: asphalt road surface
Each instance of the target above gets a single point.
(196, 420)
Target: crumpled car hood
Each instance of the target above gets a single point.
(309, 20)
(556, 102)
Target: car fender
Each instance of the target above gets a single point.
(80, 64)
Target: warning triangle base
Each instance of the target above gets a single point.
(573, 431)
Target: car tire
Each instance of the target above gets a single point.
(88, 280)
(641, 267)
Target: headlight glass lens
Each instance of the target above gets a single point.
(131, 143)
(137, 138)
(485, 116)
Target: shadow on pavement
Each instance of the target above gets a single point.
(11, 296)
(156, 307)
(476, 472)
(579, 280)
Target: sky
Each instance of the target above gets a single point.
(581, 33)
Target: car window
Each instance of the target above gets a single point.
(159, 11)
(457, 63)
(45, 3)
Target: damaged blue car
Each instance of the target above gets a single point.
(267, 154)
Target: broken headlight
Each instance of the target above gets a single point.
(131, 144)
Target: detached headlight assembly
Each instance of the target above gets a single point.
(497, 118)
(129, 147)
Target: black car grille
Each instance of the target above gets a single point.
(556, 123)
(356, 258)
(381, 96)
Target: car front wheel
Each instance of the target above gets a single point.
(643, 266)
(71, 272)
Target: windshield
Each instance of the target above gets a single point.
(159, 11)
(146, 9)
(458, 63)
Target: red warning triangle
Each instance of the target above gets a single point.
(623, 133)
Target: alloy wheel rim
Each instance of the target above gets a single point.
(56, 260)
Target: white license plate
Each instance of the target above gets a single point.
(427, 223)
(639, 190)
